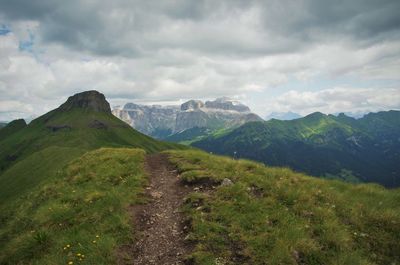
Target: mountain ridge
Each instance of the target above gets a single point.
(83, 123)
(164, 121)
(83, 187)
(320, 144)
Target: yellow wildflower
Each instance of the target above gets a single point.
(94, 241)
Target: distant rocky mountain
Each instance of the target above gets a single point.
(154, 120)
(164, 121)
(365, 149)
(284, 116)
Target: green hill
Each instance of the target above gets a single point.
(189, 135)
(80, 215)
(69, 179)
(10, 128)
(276, 216)
(31, 154)
(264, 215)
(365, 149)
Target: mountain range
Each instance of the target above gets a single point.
(165, 121)
(80, 186)
(365, 149)
(331, 146)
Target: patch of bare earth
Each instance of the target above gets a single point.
(159, 224)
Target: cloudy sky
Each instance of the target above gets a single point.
(274, 55)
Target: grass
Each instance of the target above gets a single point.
(35, 153)
(319, 145)
(80, 216)
(267, 216)
(10, 128)
(277, 216)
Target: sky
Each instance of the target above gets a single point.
(273, 55)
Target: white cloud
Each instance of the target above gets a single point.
(338, 99)
(148, 51)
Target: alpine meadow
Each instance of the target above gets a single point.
(199, 132)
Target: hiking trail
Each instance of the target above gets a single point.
(159, 224)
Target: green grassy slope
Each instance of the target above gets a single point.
(365, 149)
(276, 216)
(188, 136)
(38, 151)
(80, 216)
(10, 128)
(268, 216)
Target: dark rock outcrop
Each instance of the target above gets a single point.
(56, 128)
(98, 125)
(90, 100)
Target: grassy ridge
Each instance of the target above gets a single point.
(276, 216)
(10, 128)
(35, 153)
(361, 150)
(80, 216)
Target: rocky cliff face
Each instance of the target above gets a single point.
(155, 120)
(90, 100)
(162, 121)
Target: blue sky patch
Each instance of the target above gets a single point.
(27, 45)
(4, 30)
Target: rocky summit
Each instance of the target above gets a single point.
(90, 100)
(163, 121)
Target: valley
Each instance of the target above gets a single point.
(329, 146)
(79, 186)
(356, 150)
(190, 132)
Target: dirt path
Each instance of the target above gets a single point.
(159, 223)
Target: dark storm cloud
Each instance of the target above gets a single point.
(131, 28)
(358, 20)
(165, 50)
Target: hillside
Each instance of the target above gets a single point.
(79, 215)
(265, 215)
(10, 128)
(200, 209)
(33, 153)
(79, 186)
(365, 149)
